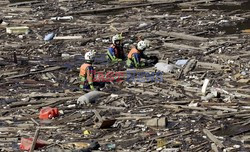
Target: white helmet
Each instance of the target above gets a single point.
(142, 45)
(116, 37)
(89, 56)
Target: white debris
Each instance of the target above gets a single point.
(204, 87)
(164, 67)
(143, 25)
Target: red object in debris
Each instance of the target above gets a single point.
(48, 113)
(27, 142)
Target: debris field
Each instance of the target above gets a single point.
(199, 102)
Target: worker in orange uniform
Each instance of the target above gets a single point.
(136, 53)
(115, 51)
(87, 71)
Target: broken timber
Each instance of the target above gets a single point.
(213, 138)
(182, 47)
(121, 8)
(37, 72)
(183, 36)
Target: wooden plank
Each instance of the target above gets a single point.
(161, 16)
(13, 9)
(23, 3)
(13, 129)
(194, 10)
(133, 118)
(126, 1)
(27, 127)
(183, 107)
(122, 7)
(182, 46)
(223, 108)
(210, 65)
(207, 104)
(144, 92)
(6, 118)
(37, 72)
(187, 36)
(43, 95)
(183, 36)
(192, 3)
(21, 103)
(34, 140)
(68, 37)
(111, 107)
(213, 138)
(189, 66)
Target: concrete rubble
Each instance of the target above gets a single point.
(199, 102)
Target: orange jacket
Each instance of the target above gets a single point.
(83, 69)
(133, 51)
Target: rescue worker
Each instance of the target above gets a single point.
(115, 51)
(136, 53)
(87, 71)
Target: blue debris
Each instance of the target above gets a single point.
(181, 62)
(49, 36)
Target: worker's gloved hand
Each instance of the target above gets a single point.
(137, 65)
(142, 64)
(116, 60)
(92, 87)
(129, 63)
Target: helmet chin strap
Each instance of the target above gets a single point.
(117, 42)
(89, 61)
(139, 49)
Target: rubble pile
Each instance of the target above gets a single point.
(196, 98)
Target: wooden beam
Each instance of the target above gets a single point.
(23, 3)
(187, 36)
(192, 3)
(182, 46)
(67, 37)
(210, 65)
(170, 2)
(37, 72)
(213, 138)
(34, 140)
(183, 36)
